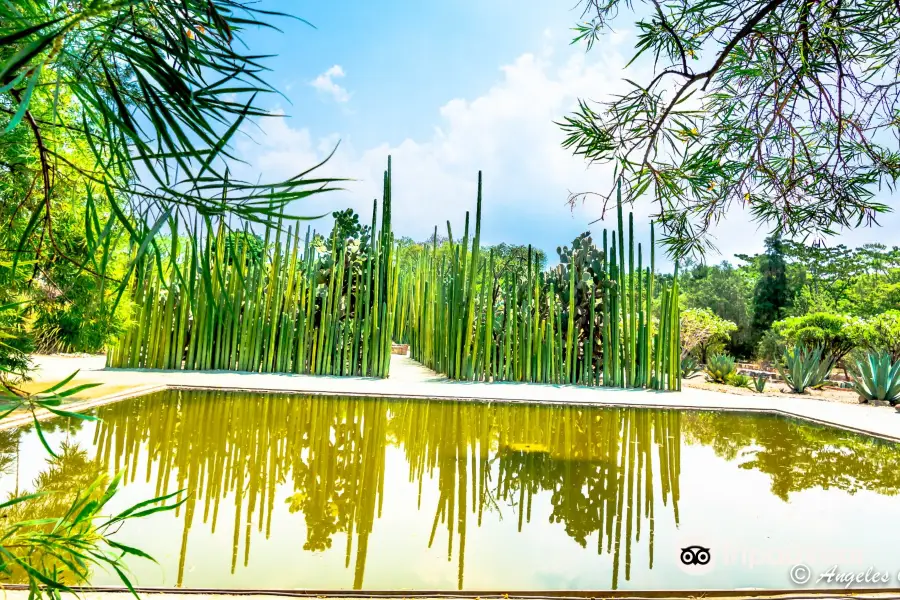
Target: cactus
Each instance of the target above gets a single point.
(584, 265)
(759, 383)
(689, 366)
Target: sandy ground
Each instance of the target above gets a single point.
(775, 389)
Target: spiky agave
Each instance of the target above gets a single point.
(879, 378)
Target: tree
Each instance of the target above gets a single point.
(119, 113)
(700, 328)
(771, 296)
(69, 303)
(858, 281)
(882, 334)
(785, 108)
(727, 291)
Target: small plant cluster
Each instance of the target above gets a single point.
(721, 368)
(877, 376)
(802, 369)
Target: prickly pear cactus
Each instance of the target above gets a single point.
(590, 278)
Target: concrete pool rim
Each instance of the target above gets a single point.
(224, 593)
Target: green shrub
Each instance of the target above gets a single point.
(805, 368)
(720, 367)
(879, 378)
(835, 335)
(882, 334)
(740, 380)
(771, 346)
(703, 332)
(15, 345)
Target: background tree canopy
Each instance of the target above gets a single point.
(841, 298)
(786, 107)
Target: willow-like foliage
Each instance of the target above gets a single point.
(458, 326)
(214, 305)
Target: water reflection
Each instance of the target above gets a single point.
(798, 456)
(597, 466)
(609, 478)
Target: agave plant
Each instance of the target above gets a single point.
(879, 378)
(805, 368)
(689, 366)
(759, 383)
(720, 368)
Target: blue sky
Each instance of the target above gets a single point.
(448, 89)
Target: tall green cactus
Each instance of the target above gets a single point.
(588, 320)
(310, 308)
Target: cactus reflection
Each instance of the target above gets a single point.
(606, 471)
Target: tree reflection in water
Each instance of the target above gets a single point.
(601, 474)
(602, 468)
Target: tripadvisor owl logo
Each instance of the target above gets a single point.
(695, 555)
(692, 556)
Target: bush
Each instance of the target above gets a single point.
(882, 334)
(771, 347)
(805, 368)
(15, 345)
(702, 330)
(740, 380)
(835, 335)
(720, 368)
(759, 383)
(878, 378)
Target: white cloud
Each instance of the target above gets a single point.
(325, 84)
(509, 133)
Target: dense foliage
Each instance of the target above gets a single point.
(788, 109)
(839, 298)
(114, 118)
(702, 330)
(599, 317)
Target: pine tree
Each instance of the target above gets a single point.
(771, 295)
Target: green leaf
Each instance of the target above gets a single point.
(62, 383)
(26, 99)
(40, 434)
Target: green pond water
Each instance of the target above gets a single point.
(330, 492)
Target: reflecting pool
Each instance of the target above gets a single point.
(287, 491)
